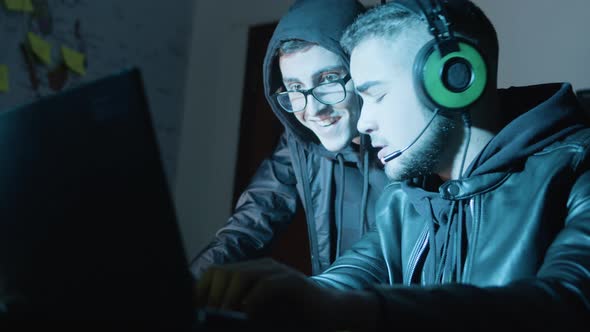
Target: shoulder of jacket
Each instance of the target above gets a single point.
(580, 137)
(577, 143)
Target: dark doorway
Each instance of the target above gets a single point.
(259, 134)
(584, 97)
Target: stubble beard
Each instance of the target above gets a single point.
(424, 157)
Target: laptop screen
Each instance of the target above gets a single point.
(88, 231)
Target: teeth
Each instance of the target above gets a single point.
(326, 123)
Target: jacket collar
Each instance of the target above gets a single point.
(466, 188)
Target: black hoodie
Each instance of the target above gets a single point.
(338, 190)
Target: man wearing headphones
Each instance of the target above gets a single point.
(498, 237)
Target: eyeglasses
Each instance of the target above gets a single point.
(328, 93)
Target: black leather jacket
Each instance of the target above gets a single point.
(269, 202)
(525, 254)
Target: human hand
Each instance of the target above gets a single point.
(265, 290)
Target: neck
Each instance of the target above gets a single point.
(485, 125)
(479, 139)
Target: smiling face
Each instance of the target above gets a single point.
(392, 113)
(334, 125)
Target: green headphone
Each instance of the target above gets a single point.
(449, 72)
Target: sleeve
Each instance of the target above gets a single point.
(264, 209)
(357, 268)
(557, 297)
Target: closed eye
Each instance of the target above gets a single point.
(368, 98)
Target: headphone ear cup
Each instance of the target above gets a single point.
(452, 82)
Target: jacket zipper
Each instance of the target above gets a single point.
(472, 240)
(311, 226)
(419, 250)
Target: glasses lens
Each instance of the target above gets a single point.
(330, 93)
(283, 100)
(292, 101)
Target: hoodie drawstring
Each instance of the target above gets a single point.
(454, 231)
(364, 225)
(448, 238)
(339, 203)
(446, 261)
(432, 236)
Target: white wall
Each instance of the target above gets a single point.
(208, 147)
(541, 41)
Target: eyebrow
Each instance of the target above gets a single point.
(317, 73)
(366, 86)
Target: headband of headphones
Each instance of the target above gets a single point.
(449, 71)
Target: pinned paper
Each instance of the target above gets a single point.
(40, 47)
(19, 5)
(74, 60)
(4, 82)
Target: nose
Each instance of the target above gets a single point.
(313, 107)
(366, 123)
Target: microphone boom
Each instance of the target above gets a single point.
(398, 153)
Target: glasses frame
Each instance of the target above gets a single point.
(341, 81)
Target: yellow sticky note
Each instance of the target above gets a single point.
(4, 82)
(40, 47)
(19, 5)
(74, 60)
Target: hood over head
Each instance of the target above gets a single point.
(316, 21)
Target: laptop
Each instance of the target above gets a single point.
(88, 232)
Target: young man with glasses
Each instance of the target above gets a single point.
(319, 159)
